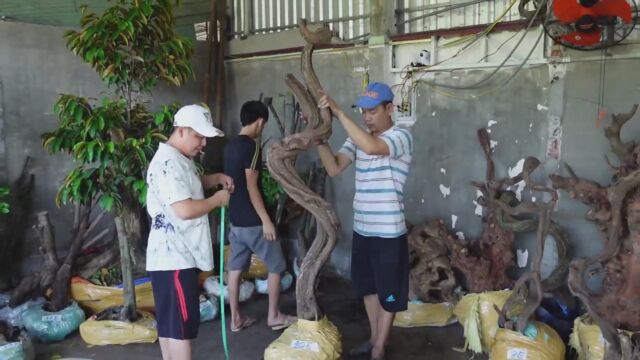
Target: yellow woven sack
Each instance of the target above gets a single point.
(109, 332)
(587, 339)
(425, 314)
(95, 298)
(309, 340)
(540, 343)
(257, 269)
(476, 313)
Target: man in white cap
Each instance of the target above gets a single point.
(180, 240)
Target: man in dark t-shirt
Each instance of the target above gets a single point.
(252, 230)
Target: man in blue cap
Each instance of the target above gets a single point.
(380, 256)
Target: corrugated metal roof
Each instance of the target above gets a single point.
(66, 13)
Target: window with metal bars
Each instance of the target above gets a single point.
(413, 16)
(349, 19)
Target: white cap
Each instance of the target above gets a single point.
(198, 118)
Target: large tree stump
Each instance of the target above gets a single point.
(484, 262)
(43, 279)
(56, 275)
(431, 276)
(616, 210)
(528, 290)
(280, 161)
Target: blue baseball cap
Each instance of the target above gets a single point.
(376, 94)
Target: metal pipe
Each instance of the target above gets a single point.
(430, 7)
(248, 18)
(357, 37)
(331, 21)
(440, 11)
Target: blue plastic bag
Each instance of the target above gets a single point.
(136, 282)
(208, 308)
(286, 280)
(52, 326)
(22, 349)
(13, 316)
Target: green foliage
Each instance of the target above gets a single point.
(270, 188)
(131, 46)
(4, 206)
(107, 276)
(112, 152)
(133, 43)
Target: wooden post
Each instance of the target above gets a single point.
(219, 111)
(212, 43)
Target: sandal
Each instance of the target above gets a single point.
(290, 320)
(364, 348)
(248, 321)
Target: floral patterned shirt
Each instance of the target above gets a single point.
(174, 243)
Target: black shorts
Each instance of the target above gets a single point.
(381, 266)
(176, 294)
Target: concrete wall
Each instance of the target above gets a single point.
(541, 102)
(250, 78)
(544, 103)
(35, 67)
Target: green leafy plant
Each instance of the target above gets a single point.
(4, 206)
(270, 188)
(111, 151)
(107, 276)
(131, 46)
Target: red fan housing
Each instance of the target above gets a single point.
(590, 18)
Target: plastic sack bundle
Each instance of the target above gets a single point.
(539, 342)
(558, 314)
(112, 332)
(587, 339)
(52, 326)
(311, 340)
(212, 286)
(17, 347)
(13, 316)
(476, 313)
(424, 314)
(96, 298)
(208, 308)
(4, 299)
(257, 268)
(285, 283)
(296, 268)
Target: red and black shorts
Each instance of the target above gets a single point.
(176, 295)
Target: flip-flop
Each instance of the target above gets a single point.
(290, 320)
(248, 321)
(364, 348)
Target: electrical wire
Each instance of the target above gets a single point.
(479, 84)
(489, 28)
(601, 88)
(499, 47)
(495, 88)
(439, 11)
(406, 74)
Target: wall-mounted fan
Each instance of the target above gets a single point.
(590, 24)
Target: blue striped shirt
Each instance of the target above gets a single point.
(378, 203)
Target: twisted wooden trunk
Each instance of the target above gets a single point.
(280, 163)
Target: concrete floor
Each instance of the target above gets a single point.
(341, 306)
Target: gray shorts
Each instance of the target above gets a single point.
(247, 240)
